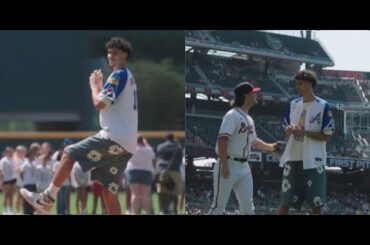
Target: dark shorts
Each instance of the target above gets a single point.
(10, 182)
(105, 158)
(299, 185)
(139, 176)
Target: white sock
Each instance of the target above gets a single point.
(8, 209)
(52, 190)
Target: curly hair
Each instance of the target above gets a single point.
(307, 75)
(120, 43)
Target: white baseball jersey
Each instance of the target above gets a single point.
(28, 171)
(119, 119)
(44, 175)
(239, 127)
(142, 159)
(315, 116)
(8, 169)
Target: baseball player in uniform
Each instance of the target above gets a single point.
(309, 125)
(236, 136)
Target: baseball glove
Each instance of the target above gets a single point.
(279, 147)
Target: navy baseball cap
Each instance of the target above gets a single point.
(245, 88)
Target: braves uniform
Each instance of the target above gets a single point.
(239, 127)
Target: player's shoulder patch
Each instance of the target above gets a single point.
(108, 93)
(115, 77)
(113, 81)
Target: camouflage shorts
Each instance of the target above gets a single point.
(106, 159)
(299, 185)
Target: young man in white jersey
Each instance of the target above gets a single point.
(236, 136)
(107, 153)
(309, 124)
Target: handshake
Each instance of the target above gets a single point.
(279, 147)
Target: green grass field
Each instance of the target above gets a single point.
(122, 199)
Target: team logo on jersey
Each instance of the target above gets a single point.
(108, 92)
(317, 118)
(113, 170)
(115, 149)
(244, 128)
(94, 156)
(331, 125)
(113, 81)
(113, 187)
